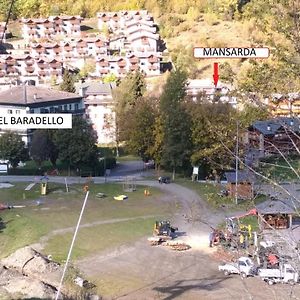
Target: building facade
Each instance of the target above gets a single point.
(99, 109)
(24, 99)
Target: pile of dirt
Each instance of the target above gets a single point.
(223, 255)
(29, 273)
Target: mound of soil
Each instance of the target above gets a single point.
(29, 273)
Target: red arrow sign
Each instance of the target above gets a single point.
(216, 74)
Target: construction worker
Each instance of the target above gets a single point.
(242, 240)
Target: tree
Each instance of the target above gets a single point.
(111, 77)
(252, 112)
(12, 148)
(156, 150)
(213, 126)
(77, 146)
(175, 122)
(140, 138)
(125, 96)
(42, 147)
(67, 84)
(89, 67)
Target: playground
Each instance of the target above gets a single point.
(47, 220)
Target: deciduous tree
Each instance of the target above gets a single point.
(12, 148)
(77, 146)
(175, 122)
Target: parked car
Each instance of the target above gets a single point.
(164, 179)
(244, 266)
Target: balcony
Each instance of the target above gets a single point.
(122, 63)
(11, 70)
(134, 67)
(81, 51)
(134, 60)
(29, 62)
(153, 59)
(152, 68)
(42, 73)
(103, 71)
(29, 69)
(103, 63)
(55, 65)
(10, 63)
(122, 71)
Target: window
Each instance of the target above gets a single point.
(31, 110)
(70, 106)
(76, 106)
(9, 111)
(59, 108)
(52, 110)
(65, 107)
(17, 111)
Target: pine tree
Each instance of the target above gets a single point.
(68, 82)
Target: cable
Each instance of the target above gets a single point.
(71, 247)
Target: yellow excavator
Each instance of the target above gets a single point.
(163, 231)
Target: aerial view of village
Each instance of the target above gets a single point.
(149, 149)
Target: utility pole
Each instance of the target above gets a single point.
(236, 162)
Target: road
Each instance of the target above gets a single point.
(139, 271)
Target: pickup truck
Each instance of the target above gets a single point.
(284, 274)
(244, 266)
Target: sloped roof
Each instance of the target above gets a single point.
(270, 127)
(243, 176)
(97, 88)
(275, 206)
(21, 95)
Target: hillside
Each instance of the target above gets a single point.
(185, 24)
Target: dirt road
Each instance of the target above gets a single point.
(141, 272)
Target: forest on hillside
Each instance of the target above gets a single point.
(89, 8)
(184, 24)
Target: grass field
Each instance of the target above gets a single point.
(209, 193)
(59, 209)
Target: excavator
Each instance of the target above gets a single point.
(163, 231)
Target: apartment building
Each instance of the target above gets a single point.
(120, 65)
(26, 67)
(35, 29)
(116, 20)
(99, 109)
(24, 99)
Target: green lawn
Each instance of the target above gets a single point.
(59, 209)
(98, 238)
(209, 193)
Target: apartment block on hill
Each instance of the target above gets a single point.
(54, 26)
(25, 67)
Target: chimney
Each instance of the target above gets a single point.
(269, 128)
(292, 122)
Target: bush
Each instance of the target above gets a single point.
(211, 19)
